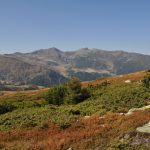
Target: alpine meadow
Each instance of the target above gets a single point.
(74, 75)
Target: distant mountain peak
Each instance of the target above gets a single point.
(84, 49)
(51, 65)
(52, 49)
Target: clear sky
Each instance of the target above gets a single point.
(27, 25)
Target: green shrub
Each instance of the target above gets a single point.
(4, 108)
(56, 95)
(76, 93)
(146, 81)
(74, 112)
(85, 93)
(74, 85)
(71, 93)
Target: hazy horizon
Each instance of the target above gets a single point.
(30, 51)
(30, 25)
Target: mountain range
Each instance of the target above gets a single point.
(52, 66)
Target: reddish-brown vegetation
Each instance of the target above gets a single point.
(84, 133)
(117, 79)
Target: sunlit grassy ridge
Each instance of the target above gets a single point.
(32, 115)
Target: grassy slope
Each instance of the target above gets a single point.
(34, 122)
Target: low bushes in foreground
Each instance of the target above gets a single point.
(112, 131)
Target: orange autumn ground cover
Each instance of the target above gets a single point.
(85, 133)
(137, 76)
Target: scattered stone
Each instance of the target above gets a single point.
(101, 117)
(131, 111)
(128, 81)
(137, 109)
(144, 129)
(86, 117)
(122, 113)
(103, 125)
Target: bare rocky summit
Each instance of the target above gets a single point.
(53, 66)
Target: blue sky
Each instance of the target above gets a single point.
(27, 25)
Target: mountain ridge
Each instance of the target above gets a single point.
(53, 66)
